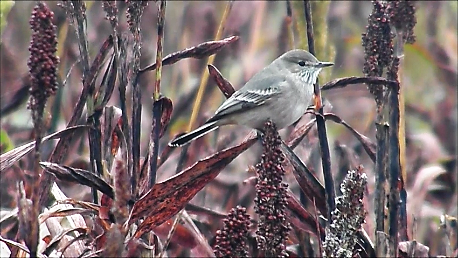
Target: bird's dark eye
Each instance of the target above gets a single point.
(301, 63)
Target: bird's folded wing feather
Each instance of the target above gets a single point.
(249, 97)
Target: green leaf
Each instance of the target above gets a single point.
(5, 143)
(5, 7)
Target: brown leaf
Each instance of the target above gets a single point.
(166, 113)
(181, 235)
(56, 240)
(203, 212)
(200, 51)
(110, 140)
(14, 244)
(78, 175)
(62, 212)
(7, 159)
(167, 198)
(224, 85)
(107, 86)
(98, 62)
(86, 205)
(310, 186)
(71, 243)
(301, 218)
(299, 133)
(368, 145)
(343, 82)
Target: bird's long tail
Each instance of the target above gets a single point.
(199, 132)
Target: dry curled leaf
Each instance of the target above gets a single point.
(224, 85)
(78, 175)
(200, 51)
(167, 198)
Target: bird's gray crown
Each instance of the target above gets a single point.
(298, 55)
(299, 62)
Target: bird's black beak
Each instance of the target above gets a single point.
(324, 64)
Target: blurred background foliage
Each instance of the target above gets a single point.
(429, 81)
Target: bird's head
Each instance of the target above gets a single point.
(302, 64)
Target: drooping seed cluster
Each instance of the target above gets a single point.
(111, 11)
(377, 41)
(402, 17)
(347, 218)
(43, 61)
(378, 46)
(134, 14)
(271, 196)
(75, 9)
(231, 241)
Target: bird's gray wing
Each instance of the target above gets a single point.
(255, 93)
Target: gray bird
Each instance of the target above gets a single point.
(281, 92)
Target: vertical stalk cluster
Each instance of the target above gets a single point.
(134, 14)
(378, 51)
(271, 196)
(382, 55)
(42, 65)
(232, 240)
(347, 218)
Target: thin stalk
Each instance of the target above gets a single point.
(81, 27)
(160, 40)
(399, 51)
(205, 74)
(35, 199)
(157, 89)
(380, 168)
(394, 166)
(321, 126)
(289, 13)
(123, 81)
(136, 91)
